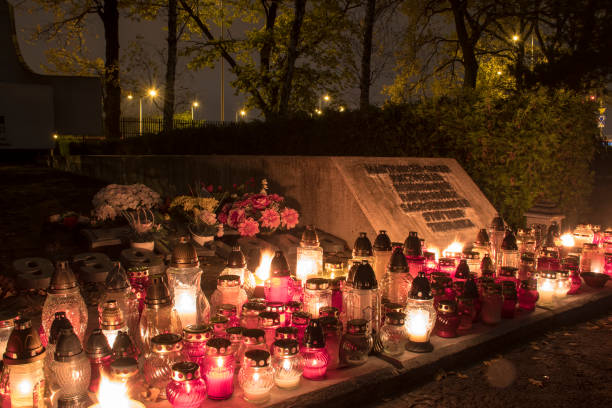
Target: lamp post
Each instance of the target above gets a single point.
(325, 98)
(242, 113)
(194, 105)
(152, 93)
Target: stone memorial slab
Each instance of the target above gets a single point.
(340, 195)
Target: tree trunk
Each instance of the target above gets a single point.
(470, 63)
(112, 90)
(170, 66)
(366, 56)
(292, 53)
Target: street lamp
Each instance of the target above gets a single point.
(341, 108)
(242, 113)
(194, 105)
(151, 93)
(515, 38)
(326, 98)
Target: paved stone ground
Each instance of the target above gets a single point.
(567, 367)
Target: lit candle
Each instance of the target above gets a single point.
(420, 315)
(287, 363)
(256, 376)
(113, 394)
(185, 304)
(547, 285)
(278, 288)
(417, 326)
(219, 369)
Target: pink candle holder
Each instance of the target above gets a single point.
(316, 357)
(195, 337)
(219, 369)
(187, 389)
(300, 320)
(528, 294)
(447, 320)
(279, 308)
(229, 311)
(279, 287)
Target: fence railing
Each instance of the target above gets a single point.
(130, 127)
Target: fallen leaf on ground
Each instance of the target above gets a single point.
(573, 344)
(533, 346)
(536, 382)
(440, 375)
(460, 375)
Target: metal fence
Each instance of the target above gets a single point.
(131, 127)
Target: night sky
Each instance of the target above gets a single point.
(203, 85)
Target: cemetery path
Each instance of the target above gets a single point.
(566, 367)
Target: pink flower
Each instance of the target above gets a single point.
(270, 218)
(236, 216)
(210, 188)
(248, 228)
(275, 198)
(260, 201)
(222, 218)
(289, 218)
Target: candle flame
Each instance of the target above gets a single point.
(112, 394)
(220, 362)
(262, 273)
(434, 251)
(567, 240)
(454, 248)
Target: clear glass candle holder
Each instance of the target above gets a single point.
(309, 256)
(117, 288)
(166, 350)
(249, 317)
(252, 339)
(256, 376)
(159, 315)
(356, 343)
(70, 366)
(393, 334)
(186, 389)
(228, 291)
(420, 317)
(317, 294)
(547, 288)
(564, 283)
(288, 364)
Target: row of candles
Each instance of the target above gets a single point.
(391, 299)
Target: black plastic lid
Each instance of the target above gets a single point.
(486, 264)
(498, 224)
(60, 322)
(363, 246)
(123, 346)
(509, 242)
(258, 334)
(470, 289)
(365, 278)
(421, 290)
(412, 245)
(382, 242)
(287, 332)
(279, 266)
(157, 293)
(257, 358)
(236, 258)
(397, 262)
(395, 318)
(63, 279)
(313, 335)
(300, 318)
(357, 326)
(352, 272)
(463, 270)
(97, 345)
(68, 346)
(483, 237)
(286, 347)
(117, 278)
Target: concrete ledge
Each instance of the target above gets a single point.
(377, 378)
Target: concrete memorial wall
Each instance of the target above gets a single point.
(341, 195)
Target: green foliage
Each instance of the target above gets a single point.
(518, 148)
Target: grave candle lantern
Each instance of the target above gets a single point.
(316, 358)
(159, 315)
(486, 266)
(414, 253)
(334, 267)
(256, 377)
(100, 358)
(279, 308)
(236, 265)
(23, 366)
(447, 320)
(187, 389)
(576, 281)
(527, 267)
(508, 274)
(112, 321)
(219, 324)
(124, 347)
(228, 292)
(462, 273)
(492, 303)
(166, 350)
(63, 295)
(496, 234)
(317, 294)
(564, 283)
(309, 255)
(509, 295)
(252, 339)
(393, 334)
(117, 287)
(283, 333)
(447, 266)
(472, 258)
(363, 301)
(362, 249)
(195, 338)
(59, 322)
(467, 312)
(382, 254)
(7, 323)
(288, 364)
(229, 312)
(336, 285)
(356, 343)
(510, 256)
(431, 265)
(71, 368)
(279, 286)
(528, 294)
(482, 245)
(290, 309)
(219, 369)
(420, 316)
(397, 280)
(300, 321)
(547, 285)
(270, 321)
(234, 334)
(249, 318)
(332, 330)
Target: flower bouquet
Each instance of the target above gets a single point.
(199, 213)
(135, 203)
(253, 213)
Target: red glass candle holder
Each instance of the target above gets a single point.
(279, 308)
(316, 357)
(229, 311)
(100, 358)
(528, 294)
(218, 370)
(337, 284)
(447, 320)
(447, 266)
(195, 337)
(300, 320)
(508, 274)
(467, 312)
(269, 322)
(492, 302)
(509, 296)
(139, 280)
(186, 389)
(249, 317)
(576, 282)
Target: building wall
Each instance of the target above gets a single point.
(34, 106)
